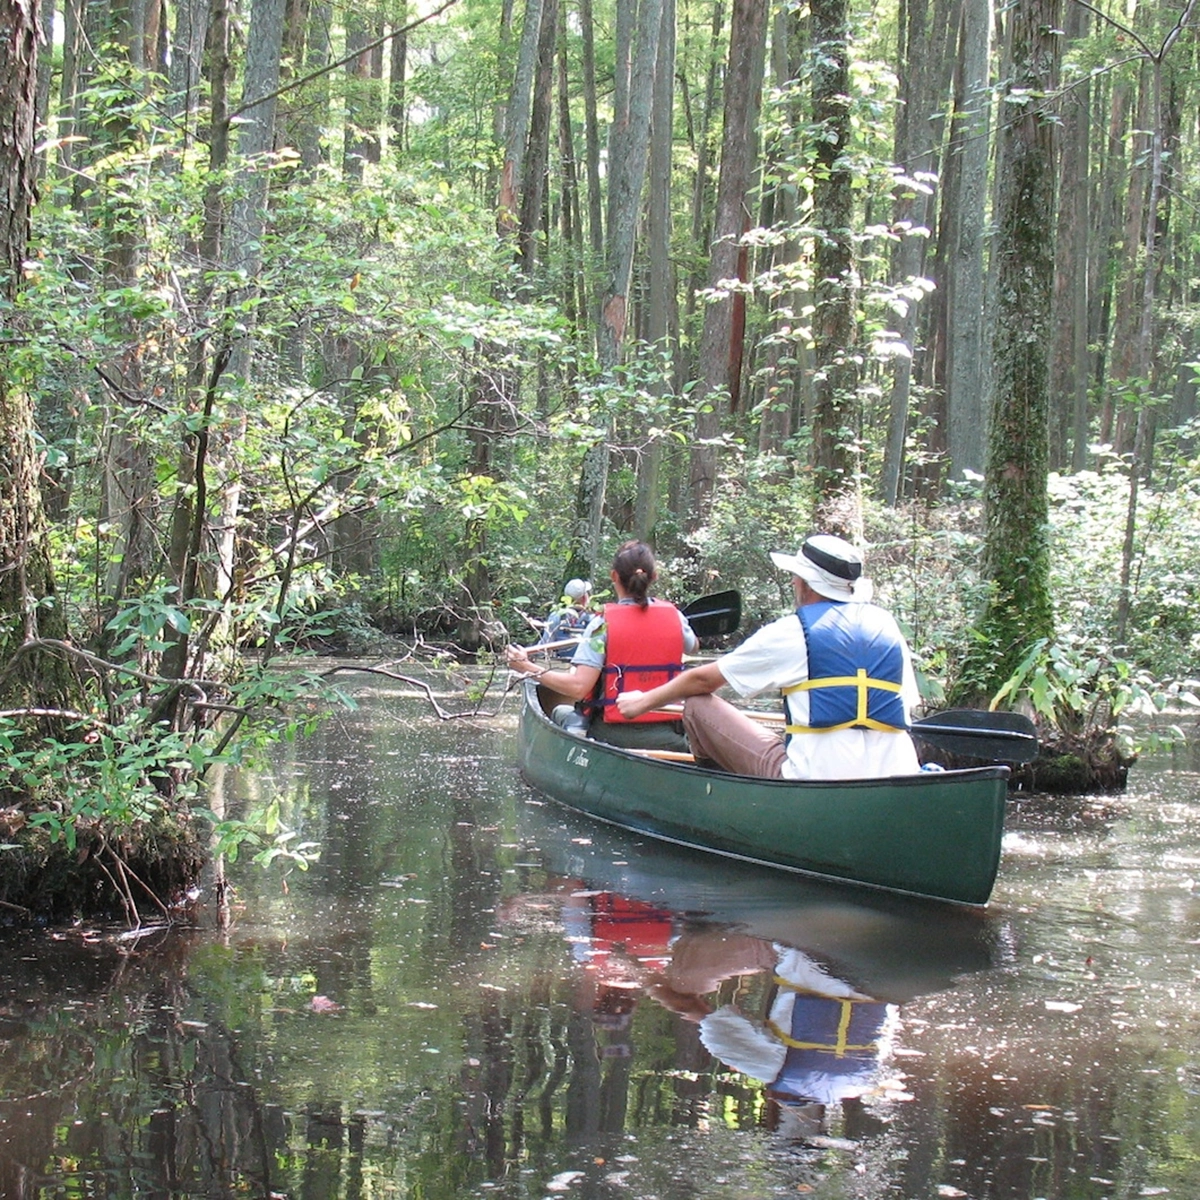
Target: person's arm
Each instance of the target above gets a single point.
(691, 643)
(699, 681)
(577, 683)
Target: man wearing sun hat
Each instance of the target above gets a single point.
(841, 664)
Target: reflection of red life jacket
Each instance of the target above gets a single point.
(641, 931)
(644, 649)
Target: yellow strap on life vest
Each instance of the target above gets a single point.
(842, 1045)
(860, 680)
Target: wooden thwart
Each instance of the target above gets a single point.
(667, 755)
(544, 647)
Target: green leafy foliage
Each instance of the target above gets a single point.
(1079, 691)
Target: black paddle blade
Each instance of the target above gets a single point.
(998, 736)
(711, 616)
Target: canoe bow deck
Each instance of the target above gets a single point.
(937, 834)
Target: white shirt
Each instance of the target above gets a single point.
(776, 657)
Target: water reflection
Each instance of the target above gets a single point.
(820, 1042)
(474, 993)
(792, 987)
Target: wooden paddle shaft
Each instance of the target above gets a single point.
(542, 647)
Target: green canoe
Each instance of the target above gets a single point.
(936, 834)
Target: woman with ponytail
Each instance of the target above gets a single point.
(636, 643)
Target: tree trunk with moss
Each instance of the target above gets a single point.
(29, 609)
(1016, 554)
(54, 877)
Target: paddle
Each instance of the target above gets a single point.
(709, 616)
(712, 616)
(1001, 736)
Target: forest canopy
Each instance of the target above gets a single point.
(333, 322)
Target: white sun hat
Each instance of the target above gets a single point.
(830, 566)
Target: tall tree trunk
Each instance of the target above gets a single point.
(966, 338)
(537, 158)
(247, 226)
(397, 89)
(591, 130)
(1113, 180)
(914, 152)
(516, 121)
(700, 135)
(1124, 362)
(46, 15)
(661, 291)
(27, 592)
(495, 387)
(187, 54)
(628, 149)
(1068, 368)
(928, 473)
(574, 288)
(719, 365)
(787, 357)
(130, 499)
(190, 519)
(836, 416)
(1144, 351)
(360, 142)
(1016, 553)
(314, 114)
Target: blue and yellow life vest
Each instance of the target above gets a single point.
(855, 669)
(567, 622)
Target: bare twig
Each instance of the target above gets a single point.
(292, 84)
(421, 686)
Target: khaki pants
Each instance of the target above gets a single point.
(718, 731)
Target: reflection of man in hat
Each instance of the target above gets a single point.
(822, 1040)
(841, 664)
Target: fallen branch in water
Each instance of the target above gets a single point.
(422, 686)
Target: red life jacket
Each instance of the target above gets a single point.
(644, 649)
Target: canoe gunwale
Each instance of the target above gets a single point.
(934, 834)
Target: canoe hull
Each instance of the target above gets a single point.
(937, 834)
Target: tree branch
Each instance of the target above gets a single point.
(341, 62)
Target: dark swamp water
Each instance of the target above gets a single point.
(475, 994)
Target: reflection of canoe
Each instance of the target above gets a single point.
(892, 947)
(935, 834)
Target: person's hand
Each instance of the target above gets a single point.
(689, 1005)
(632, 704)
(518, 660)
